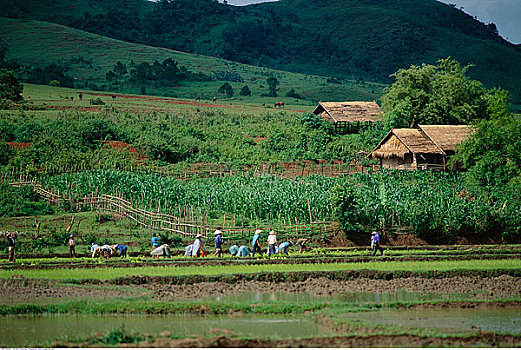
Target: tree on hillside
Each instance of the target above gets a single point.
(120, 69)
(272, 85)
(434, 94)
(10, 88)
(245, 91)
(226, 89)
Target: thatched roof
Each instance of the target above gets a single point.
(427, 139)
(447, 137)
(355, 111)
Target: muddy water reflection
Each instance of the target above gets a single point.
(42, 330)
(351, 297)
(500, 320)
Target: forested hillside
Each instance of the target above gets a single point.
(339, 38)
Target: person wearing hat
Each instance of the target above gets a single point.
(71, 243)
(272, 242)
(198, 249)
(255, 243)
(218, 243)
(375, 243)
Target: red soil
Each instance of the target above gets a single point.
(18, 145)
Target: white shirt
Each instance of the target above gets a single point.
(272, 239)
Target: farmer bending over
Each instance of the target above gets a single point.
(106, 251)
(198, 249)
(234, 249)
(301, 244)
(162, 250)
(121, 250)
(95, 250)
(283, 248)
(243, 252)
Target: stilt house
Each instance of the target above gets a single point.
(426, 147)
(349, 117)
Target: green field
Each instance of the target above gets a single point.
(75, 274)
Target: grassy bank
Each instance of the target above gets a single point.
(417, 266)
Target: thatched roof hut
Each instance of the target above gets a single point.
(349, 116)
(427, 146)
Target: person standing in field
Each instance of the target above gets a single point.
(218, 243)
(375, 243)
(272, 242)
(255, 243)
(72, 244)
(10, 245)
(155, 244)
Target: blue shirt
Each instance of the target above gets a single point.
(375, 237)
(218, 241)
(155, 242)
(283, 246)
(234, 249)
(93, 248)
(255, 239)
(243, 251)
(122, 247)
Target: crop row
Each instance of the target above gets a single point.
(431, 204)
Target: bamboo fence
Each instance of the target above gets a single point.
(187, 224)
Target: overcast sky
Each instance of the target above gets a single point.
(506, 14)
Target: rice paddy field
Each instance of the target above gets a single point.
(324, 297)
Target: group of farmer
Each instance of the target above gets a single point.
(106, 251)
(197, 248)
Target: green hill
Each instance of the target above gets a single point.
(341, 38)
(87, 57)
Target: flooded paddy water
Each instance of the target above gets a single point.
(447, 320)
(31, 330)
